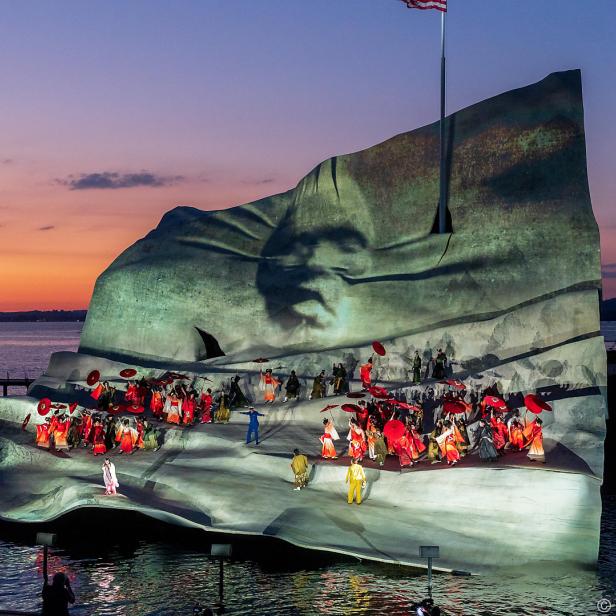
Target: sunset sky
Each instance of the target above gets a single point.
(114, 112)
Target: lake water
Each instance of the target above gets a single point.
(135, 571)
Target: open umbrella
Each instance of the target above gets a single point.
(454, 383)
(58, 406)
(93, 378)
(378, 348)
(356, 394)
(127, 373)
(535, 404)
(495, 402)
(351, 408)
(115, 409)
(408, 406)
(328, 408)
(378, 392)
(71, 407)
(455, 407)
(135, 409)
(43, 406)
(394, 429)
(177, 377)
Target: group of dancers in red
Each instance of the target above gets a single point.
(390, 427)
(89, 430)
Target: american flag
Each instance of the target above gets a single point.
(439, 5)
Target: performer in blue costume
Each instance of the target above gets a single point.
(253, 424)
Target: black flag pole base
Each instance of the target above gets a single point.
(436, 226)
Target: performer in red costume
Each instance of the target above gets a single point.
(206, 405)
(140, 430)
(357, 440)
(157, 404)
(417, 441)
(60, 433)
(128, 438)
(42, 434)
(404, 449)
(268, 385)
(362, 415)
(447, 444)
(365, 373)
(327, 439)
(534, 439)
(98, 439)
(516, 434)
(131, 396)
(87, 428)
(173, 408)
(188, 408)
(499, 433)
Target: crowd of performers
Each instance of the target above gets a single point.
(336, 381)
(379, 426)
(118, 423)
(88, 429)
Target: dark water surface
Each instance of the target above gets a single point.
(120, 568)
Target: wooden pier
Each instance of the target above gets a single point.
(10, 381)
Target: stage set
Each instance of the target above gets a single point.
(346, 269)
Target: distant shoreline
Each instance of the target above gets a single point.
(607, 313)
(45, 316)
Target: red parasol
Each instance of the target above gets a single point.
(115, 409)
(24, 425)
(378, 348)
(454, 383)
(495, 402)
(351, 408)
(43, 406)
(328, 407)
(378, 392)
(93, 377)
(175, 376)
(127, 373)
(406, 405)
(394, 429)
(135, 409)
(356, 394)
(535, 404)
(455, 407)
(71, 407)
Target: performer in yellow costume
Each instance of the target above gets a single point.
(356, 478)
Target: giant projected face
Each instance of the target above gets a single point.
(305, 279)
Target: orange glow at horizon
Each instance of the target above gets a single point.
(55, 245)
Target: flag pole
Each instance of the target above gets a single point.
(442, 200)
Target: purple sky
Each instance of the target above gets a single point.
(217, 102)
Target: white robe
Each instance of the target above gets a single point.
(109, 475)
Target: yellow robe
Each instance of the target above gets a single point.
(356, 478)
